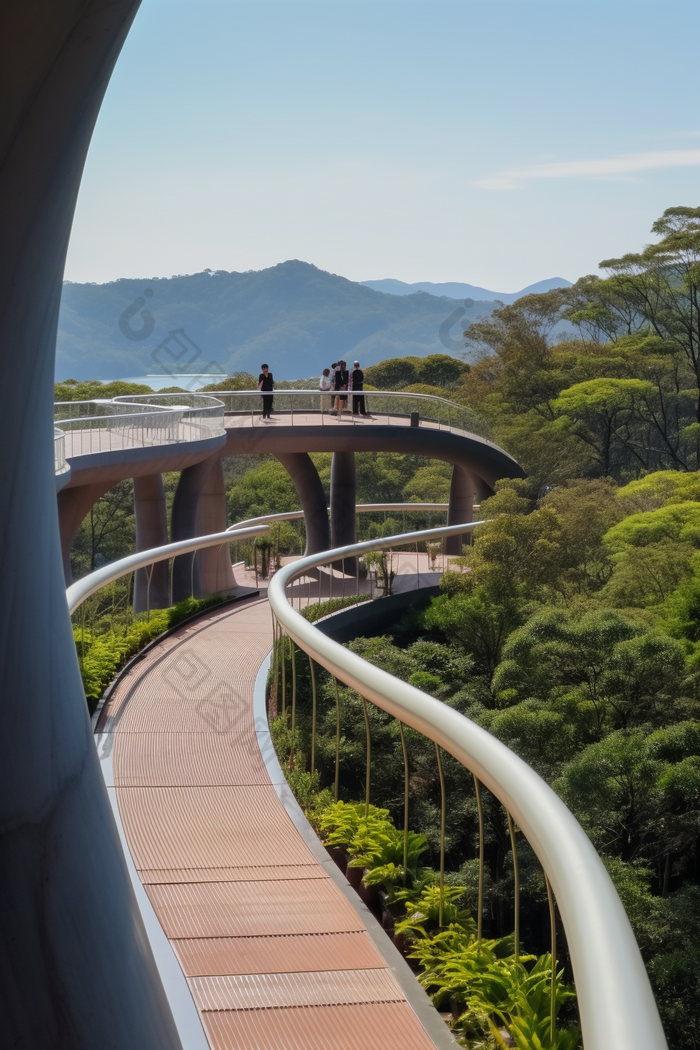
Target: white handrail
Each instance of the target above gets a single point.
(615, 1000)
(290, 392)
(82, 589)
(450, 415)
(60, 466)
(360, 508)
(126, 422)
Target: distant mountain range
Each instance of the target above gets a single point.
(455, 290)
(294, 316)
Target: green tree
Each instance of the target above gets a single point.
(108, 532)
(236, 381)
(435, 370)
(604, 414)
(429, 484)
(657, 289)
(607, 670)
(659, 489)
(675, 522)
(267, 489)
(72, 390)
(393, 374)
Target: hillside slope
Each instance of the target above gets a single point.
(457, 290)
(293, 315)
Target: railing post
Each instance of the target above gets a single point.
(553, 950)
(480, 811)
(313, 715)
(516, 888)
(406, 785)
(294, 701)
(442, 833)
(283, 654)
(336, 784)
(368, 752)
(272, 708)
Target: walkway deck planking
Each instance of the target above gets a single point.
(275, 956)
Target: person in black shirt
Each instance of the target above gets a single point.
(358, 383)
(266, 384)
(342, 379)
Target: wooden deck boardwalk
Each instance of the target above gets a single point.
(275, 955)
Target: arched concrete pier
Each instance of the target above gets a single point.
(151, 586)
(303, 473)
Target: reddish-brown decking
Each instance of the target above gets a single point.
(274, 954)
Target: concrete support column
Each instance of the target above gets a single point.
(461, 508)
(151, 531)
(303, 473)
(214, 563)
(199, 508)
(77, 968)
(73, 506)
(343, 499)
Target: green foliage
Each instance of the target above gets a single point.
(495, 994)
(622, 399)
(600, 412)
(332, 605)
(235, 381)
(423, 911)
(602, 669)
(490, 992)
(474, 621)
(267, 489)
(108, 531)
(659, 489)
(88, 390)
(429, 484)
(102, 654)
(436, 371)
(678, 521)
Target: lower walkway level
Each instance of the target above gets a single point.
(276, 954)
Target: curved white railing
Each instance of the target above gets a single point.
(299, 407)
(137, 421)
(60, 465)
(94, 581)
(616, 1004)
(360, 508)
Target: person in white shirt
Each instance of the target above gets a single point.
(325, 384)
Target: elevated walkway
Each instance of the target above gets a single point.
(277, 950)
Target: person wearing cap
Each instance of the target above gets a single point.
(357, 378)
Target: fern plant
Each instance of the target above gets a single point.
(423, 911)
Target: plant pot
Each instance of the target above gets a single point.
(354, 877)
(387, 921)
(457, 1008)
(401, 943)
(369, 894)
(339, 856)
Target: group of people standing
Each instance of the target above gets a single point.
(342, 381)
(334, 388)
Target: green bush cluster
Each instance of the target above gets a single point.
(320, 609)
(492, 993)
(496, 998)
(102, 653)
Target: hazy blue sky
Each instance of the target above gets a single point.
(492, 141)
